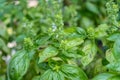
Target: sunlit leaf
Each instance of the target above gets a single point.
(90, 51)
(47, 53)
(109, 55)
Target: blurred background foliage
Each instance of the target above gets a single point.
(17, 14)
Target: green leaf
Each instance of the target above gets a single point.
(2, 43)
(20, 38)
(73, 73)
(115, 66)
(101, 31)
(31, 54)
(52, 75)
(68, 44)
(3, 46)
(18, 65)
(98, 66)
(103, 76)
(3, 31)
(70, 30)
(92, 7)
(86, 22)
(114, 37)
(116, 49)
(74, 32)
(46, 75)
(90, 51)
(58, 75)
(73, 54)
(109, 56)
(81, 32)
(2, 77)
(36, 78)
(47, 53)
(115, 78)
(42, 40)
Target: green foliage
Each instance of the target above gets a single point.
(103, 76)
(116, 49)
(90, 51)
(47, 53)
(60, 40)
(18, 65)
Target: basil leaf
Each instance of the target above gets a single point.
(46, 75)
(42, 40)
(18, 65)
(101, 31)
(20, 38)
(90, 51)
(92, 7)
(109, 56)
(72, 54)
(36, 78)
(115, 66)
(116, 49)
(58, 75)
(115, 78)
(103, 76)
(3, 31)
(47, 53)
(74, 42)
(81, 32)
(2, 43)
(114, 37)
(68, 44)
(73, 73)
(3, 46)
(52, 75)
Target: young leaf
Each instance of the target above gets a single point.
(47, 53)
(81, 32)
